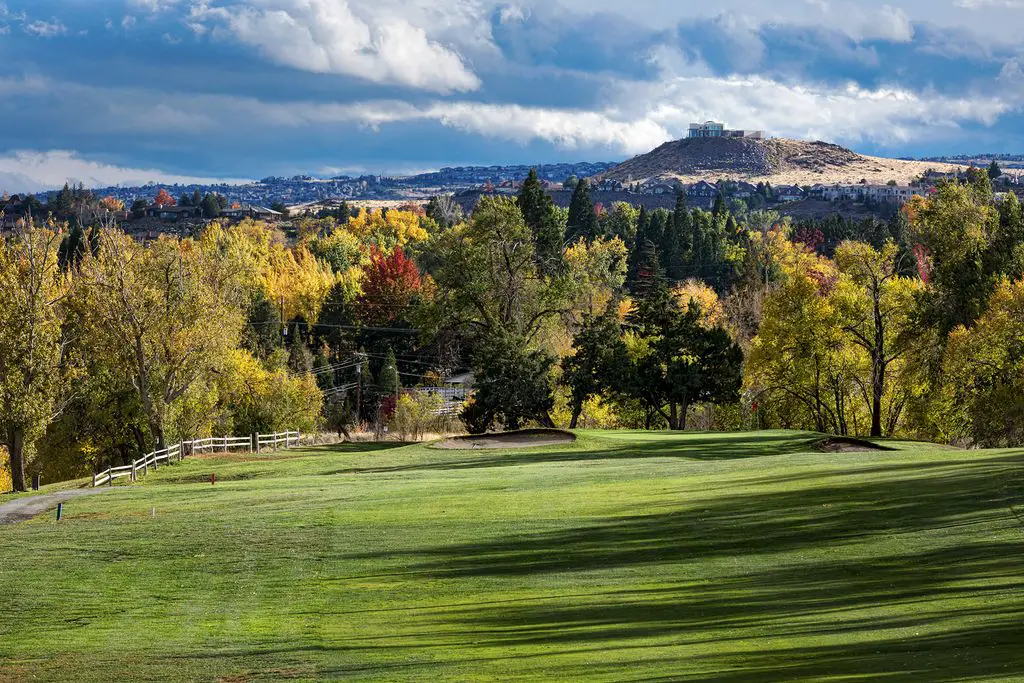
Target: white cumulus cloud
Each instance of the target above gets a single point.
(366, 39)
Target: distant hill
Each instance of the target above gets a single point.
(776, 160)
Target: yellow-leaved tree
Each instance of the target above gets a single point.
(297, 281)
(164, 316)
(260, 400)
(387, 230)
(34, 369)
(983, 375)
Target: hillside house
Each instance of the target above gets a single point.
(659, 189)
(702, 190)
(789, 193)
(174, 213)
(744, 190)
(260, 213)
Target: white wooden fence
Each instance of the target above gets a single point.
(178, 452)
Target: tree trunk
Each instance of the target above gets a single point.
(877, 369)
(877, 390)
(681, 420)
(577, 410)
(157, 431)
(673, 417)
(16, 449)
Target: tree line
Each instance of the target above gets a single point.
(587, 317)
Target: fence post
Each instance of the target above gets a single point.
(110, 477)
(256, 440)
(133, 472)
(94, 480)
(225, 444)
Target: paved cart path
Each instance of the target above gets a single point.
(26, 508)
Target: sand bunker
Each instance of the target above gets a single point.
(840, 444)
(525, 439)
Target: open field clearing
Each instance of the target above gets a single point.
(622, 556)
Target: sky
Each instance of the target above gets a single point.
(130, 91)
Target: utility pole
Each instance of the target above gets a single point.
(359, 392)
(284, 325)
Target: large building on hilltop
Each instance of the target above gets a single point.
(713, 129)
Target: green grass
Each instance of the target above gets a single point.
(625, 556)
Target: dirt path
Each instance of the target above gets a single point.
(26, 508)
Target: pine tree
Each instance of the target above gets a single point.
(994, 171)
(582, 217)
(388, 380)
(720, 208)
(540, 216)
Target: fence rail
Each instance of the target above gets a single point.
(213, 444)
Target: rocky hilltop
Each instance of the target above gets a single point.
(776, 160)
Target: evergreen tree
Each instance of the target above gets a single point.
(686, 362)
(582, 220)
(211, 206)
(139, 207)
(994, 171)
(388, 380)
(300, 358)
(512, 384)
(599, 354)
(540, 216)
(720, 209)
(72, 248)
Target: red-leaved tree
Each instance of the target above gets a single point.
(164, 198)
(389, 285)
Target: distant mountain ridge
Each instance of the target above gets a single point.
(775, 160)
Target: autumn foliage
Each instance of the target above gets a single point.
(164, 198)
(390, 282)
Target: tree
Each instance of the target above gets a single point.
(163, 198)
(390, 285)
(675, 240)
(953, 230)
(164, 315)
(539, 213)
(280, 207)
(982, 395)
(798, 366)
(489, 279)
(444, 211)
(33, 366)
(512, 385)
(139, 207)
(387, 229)
(599, 354)
(211, 206)
(676, 362)
(582, 220)
(388, 379)
(489, 290)
(875, 305)
(994, 171)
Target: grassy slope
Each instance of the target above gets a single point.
(622, 557)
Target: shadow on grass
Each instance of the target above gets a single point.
(956, 494)
(688, 446)
(919, 615)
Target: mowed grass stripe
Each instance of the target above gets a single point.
(623, 556)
